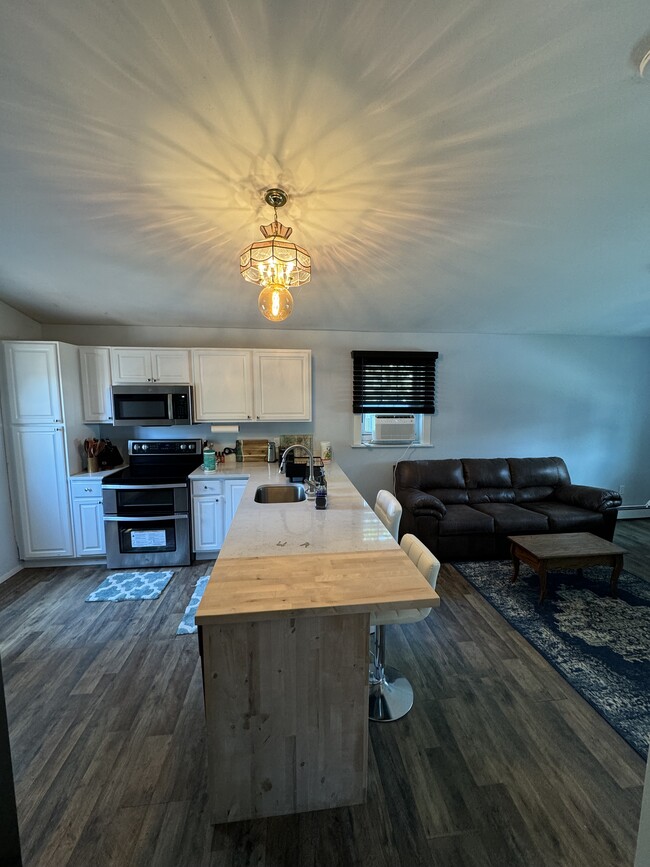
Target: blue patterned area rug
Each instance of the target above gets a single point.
(131, 585)
(187, 625)
(600, 645)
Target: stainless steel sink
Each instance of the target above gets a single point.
(280, 494)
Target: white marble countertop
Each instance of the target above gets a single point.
(100, 474)
(282, 529)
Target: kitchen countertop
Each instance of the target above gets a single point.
(345, 559)
(100, 474)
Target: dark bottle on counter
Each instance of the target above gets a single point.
(321, 495)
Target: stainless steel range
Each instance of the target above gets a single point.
(147, 505)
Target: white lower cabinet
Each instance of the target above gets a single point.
(234, 490)
(44, 525)
(87, 517)
(208, 515)
(214, 503)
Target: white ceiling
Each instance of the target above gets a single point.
(452, 165)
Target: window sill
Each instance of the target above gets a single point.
(402, 446)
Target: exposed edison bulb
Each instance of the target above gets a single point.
(275, 302)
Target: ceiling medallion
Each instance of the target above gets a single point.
(275, 264)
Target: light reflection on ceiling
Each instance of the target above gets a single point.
(451, 166)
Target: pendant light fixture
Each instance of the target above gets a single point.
(275, 264)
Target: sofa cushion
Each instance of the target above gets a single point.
(429, 475)
(491, 495)
(486, 473)
(535, 479)
(565, 518)
(460, 520)
(511, 519)
(455, 496)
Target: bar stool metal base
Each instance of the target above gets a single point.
(391, 697)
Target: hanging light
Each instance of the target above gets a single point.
(275, 264)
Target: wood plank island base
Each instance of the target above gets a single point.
(284, 637)
(565, 551)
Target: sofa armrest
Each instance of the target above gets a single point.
(586, 497)
(418, 503)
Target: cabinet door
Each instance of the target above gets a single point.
(207, 522)
(223, 387)
(171, 366)
(282, 384)
(43, 500)
(130, 366)
(88, 517)
(33, 383)
(95, 363)
(234, 492)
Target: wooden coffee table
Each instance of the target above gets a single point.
(565, 550)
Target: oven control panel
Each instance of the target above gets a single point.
(165, 447)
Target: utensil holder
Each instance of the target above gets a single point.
(93, 464)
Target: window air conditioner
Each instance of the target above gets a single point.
(394, 429)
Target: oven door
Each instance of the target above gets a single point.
(145, 542)
(147, 525)
(145, 501)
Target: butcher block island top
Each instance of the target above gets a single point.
(343, 560)
(284, 634)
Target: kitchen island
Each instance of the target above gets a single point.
(283, 626)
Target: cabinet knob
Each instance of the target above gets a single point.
(88, 490)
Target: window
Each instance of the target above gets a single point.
(393, 383)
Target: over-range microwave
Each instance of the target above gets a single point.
(158, 405)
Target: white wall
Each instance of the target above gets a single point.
(13, 325)
(582, 398)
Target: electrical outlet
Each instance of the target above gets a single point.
(621, 489)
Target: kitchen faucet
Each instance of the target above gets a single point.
(311, 481)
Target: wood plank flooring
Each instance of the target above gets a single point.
(500, 762)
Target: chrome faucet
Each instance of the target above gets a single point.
(311, 481)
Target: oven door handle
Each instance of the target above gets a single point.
(143, 487)
(153, 518)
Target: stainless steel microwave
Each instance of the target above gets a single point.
(158, 405)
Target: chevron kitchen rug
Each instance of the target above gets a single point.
(131, 585)
(600, 645)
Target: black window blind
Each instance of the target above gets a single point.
(393, 381)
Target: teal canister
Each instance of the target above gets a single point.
(209, 459)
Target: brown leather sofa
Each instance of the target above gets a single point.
(464, 509)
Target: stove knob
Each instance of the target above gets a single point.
(183, 447)
(144, 447)
(191, 447)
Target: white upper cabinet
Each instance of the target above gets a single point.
(134, 366)
(252, 384)
(282, 384)
(95, 366)
(33, 383)
(223, 384)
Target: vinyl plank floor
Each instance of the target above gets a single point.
(500, 762)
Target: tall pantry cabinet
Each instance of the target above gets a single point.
(45, 431)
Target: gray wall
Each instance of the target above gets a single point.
(583, 398)
(13, 325)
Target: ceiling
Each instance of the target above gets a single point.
(451, 165)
